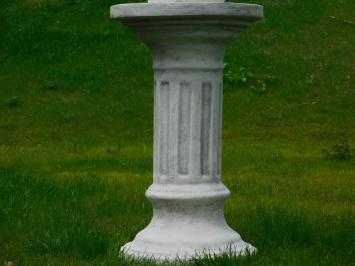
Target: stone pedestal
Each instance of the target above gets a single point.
(188, 41)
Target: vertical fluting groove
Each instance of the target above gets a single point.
(205, 127)
(219, 131)
(184, 127)
(215, 127)
(173, 128)
(164, 127)
(195, 136)
(156, 132)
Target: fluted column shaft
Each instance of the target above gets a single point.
(187, 125)
(188, 85)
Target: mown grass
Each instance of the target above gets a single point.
(76, 134)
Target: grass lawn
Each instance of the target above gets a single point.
(76, 123)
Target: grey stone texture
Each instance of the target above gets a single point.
(188, 41)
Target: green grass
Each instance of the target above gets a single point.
(76, 126)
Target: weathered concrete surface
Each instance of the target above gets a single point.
(188, 41)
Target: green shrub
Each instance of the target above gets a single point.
(12, 102)
(341, 151)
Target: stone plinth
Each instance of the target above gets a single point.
(188, 41)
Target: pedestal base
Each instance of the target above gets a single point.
(188, 222)
(161, 252)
